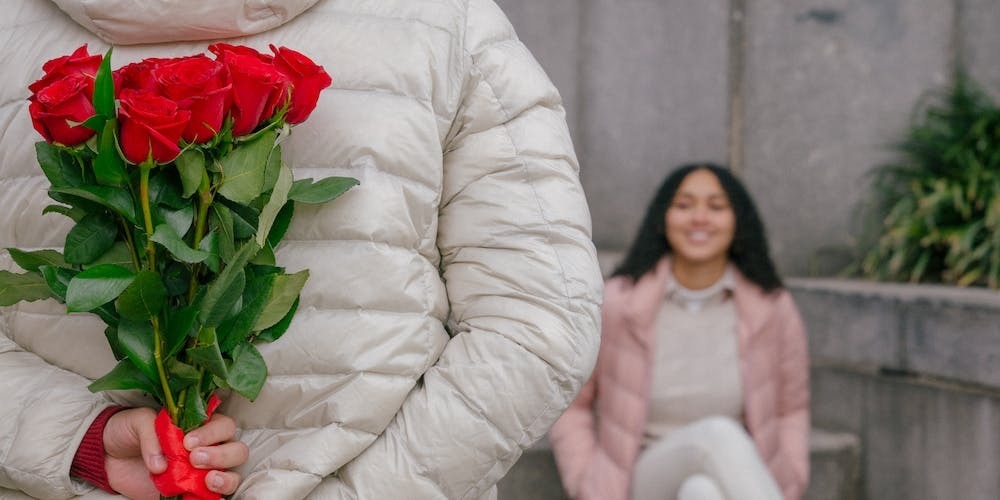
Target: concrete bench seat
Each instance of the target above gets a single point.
(835, 460)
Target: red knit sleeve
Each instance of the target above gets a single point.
(88, 463)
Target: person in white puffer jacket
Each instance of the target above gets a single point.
(452, 311)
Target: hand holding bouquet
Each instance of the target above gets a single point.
(172, 172)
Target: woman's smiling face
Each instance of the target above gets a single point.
(700, 220)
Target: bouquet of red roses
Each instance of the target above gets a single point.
(172, 172)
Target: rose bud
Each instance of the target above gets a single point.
(200, 85)
(58, 109)
(308, 79)
(151, 126)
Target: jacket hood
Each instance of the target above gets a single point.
(129, 22)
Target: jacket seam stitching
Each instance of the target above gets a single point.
(548, 224)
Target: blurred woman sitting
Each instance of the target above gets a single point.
(701, 389)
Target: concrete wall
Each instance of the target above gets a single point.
(828, 85)
(977, 39)
(912, 370)
(800, 96)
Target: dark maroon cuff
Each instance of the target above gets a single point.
(88, 463)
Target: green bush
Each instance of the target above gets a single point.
(937, 207)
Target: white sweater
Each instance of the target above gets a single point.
(452, 311)
(696, 365)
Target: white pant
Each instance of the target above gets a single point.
(710, 459)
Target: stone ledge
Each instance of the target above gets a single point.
(835, 458)
(941, 331)
(902, 292)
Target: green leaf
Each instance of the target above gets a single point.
(177, 279)
(243, 169)
(280, 226)
(184, 374)
(31, 261)
(181, 219)
(210, 383)
(265, 257)
(261, 270)
(95, 123)
(15, 288)
(74, 213)
(125, 376)
(191, 167)
(165, 189)
(237, 329)
(221, 220)
(117, 199)
(244, 220)
(90, 238)
(306, 191)
(57, 279)
(272, 168)
(274, 204)
(107, 314)
(194, 413)
(111, 333)
(242, 228)
(136, 340)
(223, 292)
(96, 286)
(109, 168)
(248, 371)
(83, 205)
(104, 88)
(118, 254)
(970, 277)
(58, 166)
(210, 245)
(207, 354)
(144, 298)
(165, 235)
(180, 323)
(281, 297)
(275, 332)
(221, 295)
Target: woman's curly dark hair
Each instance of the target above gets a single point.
(748, 252)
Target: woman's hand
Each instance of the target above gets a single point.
(132, 452)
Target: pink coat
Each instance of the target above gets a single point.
(596, 455)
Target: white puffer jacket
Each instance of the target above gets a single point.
(452, 311)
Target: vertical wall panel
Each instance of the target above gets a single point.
(829, 85)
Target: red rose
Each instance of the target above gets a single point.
(308, 79)
(200, 85)
(258, 87)
(66, 100)
(138, 76)
(77, 63)
(151, 126)
(219, 49)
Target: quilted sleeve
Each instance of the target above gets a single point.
(43, 417)
(522, 280)
(574, 435)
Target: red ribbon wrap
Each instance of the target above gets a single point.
(181, 478)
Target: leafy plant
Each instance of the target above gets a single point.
(936, 209)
